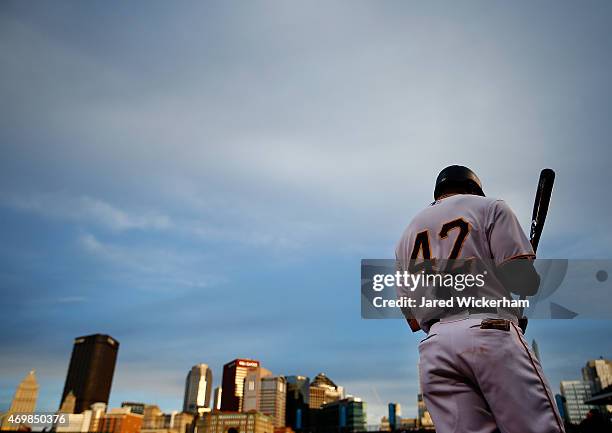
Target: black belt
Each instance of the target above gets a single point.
(484, 310)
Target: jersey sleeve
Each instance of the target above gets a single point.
(506, 237)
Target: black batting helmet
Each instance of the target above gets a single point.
(457, 176)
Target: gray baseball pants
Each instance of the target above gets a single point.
(484, 380)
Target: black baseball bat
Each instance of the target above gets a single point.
(540, 206)
(538, 217)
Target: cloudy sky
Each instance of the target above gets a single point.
(200, 180)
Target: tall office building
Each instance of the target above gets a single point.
(68, 403)
(251, 397)
(347, 415)
(234, 373)
(423, 416)
(298, 399)
(91, 370)
(323, 390)
(24, 400)
(599, 373)
(273, 398)
(536, 350)
(198, 387)
(26, 394)
(217, 398)
(395, 412)
(574, 393)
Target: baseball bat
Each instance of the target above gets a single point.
(538, 217)
(540, 206)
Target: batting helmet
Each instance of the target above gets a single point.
(457, 176)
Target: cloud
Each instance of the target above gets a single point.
(151, 266)
(86, 210)
(238, 224)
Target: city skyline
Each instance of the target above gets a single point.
(202, 180)
(597, 374)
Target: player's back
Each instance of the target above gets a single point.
(454, 227)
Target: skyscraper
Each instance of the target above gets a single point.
(198, 387)
(599, 373)
(574, 393)
(273, 399)
(91, 370)
(251, 397)
(232, 384)
(423, 416)
(536, 350)
(68, 403)
(395, 412)
(323, 390)
(26, 394)
(347, 415)
(298, 399)
(24, 400)
(217, 398)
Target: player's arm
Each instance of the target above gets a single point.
(412, 322)
(519, 276)
(511, 251)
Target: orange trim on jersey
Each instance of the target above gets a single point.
(518, 256)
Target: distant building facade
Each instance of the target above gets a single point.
(198, 387)
(599, 372)
(235, 422)
(344, 416)
(98, 410)
(153, 417)
(26, 394)
(251, 398)
(234, 373)
(395, 413)
(91, 369)
(323, 390)
(134, 407)
(273, 399)
(536, 350)
(120, 420)
(574, 393)
(24, 399)
(217, 398)
(68, 403)
(298, 400)
(424, 420)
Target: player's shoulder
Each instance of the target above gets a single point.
(473, 200)
(458, 202)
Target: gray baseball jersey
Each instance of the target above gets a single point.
(463, 226)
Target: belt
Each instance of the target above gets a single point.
(428, 324)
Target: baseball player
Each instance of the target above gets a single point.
(477, 372)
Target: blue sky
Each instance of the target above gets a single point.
(201, 180)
